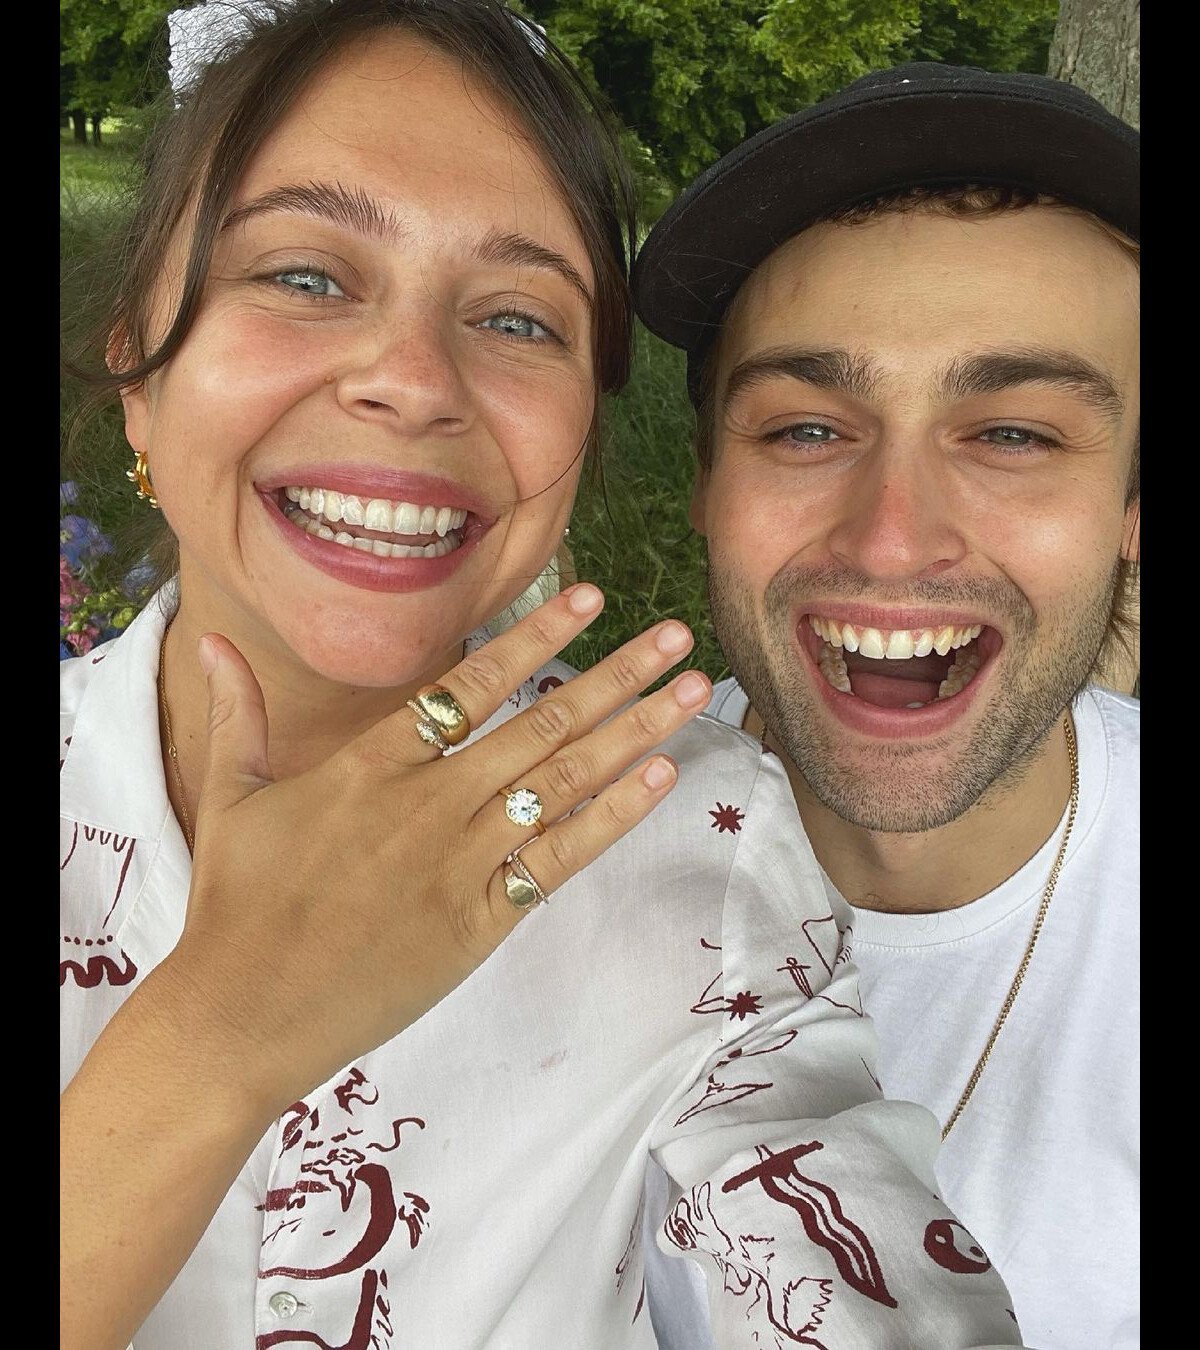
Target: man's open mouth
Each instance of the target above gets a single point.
(903, 667)
(385, 528)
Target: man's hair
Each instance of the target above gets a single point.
(198, 152)
(973, 202)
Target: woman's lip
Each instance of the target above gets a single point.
(368, 572)
(370, 480)
(895, 723)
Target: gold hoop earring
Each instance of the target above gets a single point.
(140, 477)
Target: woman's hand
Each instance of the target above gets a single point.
(331, 910)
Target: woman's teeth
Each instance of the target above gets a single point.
(310, 508)
(898, 645)
(377, 513)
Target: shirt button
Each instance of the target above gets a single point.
(283, 1304)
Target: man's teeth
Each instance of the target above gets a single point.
(894, 646)
(897, 645)
(377, 513)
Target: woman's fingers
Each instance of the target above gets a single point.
(584, 766)
(570, 845)
(237, 726)
(482, 681)
(559, 720)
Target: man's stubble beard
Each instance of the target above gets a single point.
(1038, 681)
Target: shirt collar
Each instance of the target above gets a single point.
(112, 774)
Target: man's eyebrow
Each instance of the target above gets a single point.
(992, 372)
(355, 210)
(502, 246)
(834, 369)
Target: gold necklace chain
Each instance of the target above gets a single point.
(171, 751)
(1015, 987)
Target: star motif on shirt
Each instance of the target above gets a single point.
(727, 819)
(742, 1006)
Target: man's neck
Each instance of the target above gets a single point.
(947, 867)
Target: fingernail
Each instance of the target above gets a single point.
(690, 689)
(584, 599)
(658, 773)
(673, 638)
(206, 651)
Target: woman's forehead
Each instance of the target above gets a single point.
(416, 131)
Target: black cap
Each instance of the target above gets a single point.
(917, 125)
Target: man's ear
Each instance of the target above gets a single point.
(696, 507)
(1131, 536)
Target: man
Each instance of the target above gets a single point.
(910, 316)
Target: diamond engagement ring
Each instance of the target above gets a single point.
(445, 712)
(523, 807)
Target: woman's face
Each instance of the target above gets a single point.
(370, 440)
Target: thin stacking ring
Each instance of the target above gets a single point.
(445, 712)
(427, 728)
(523, 807)
(520, 885)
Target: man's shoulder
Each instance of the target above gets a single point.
(1116, 719)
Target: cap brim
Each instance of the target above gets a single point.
(834, 155)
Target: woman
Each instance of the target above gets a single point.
(319, 1091)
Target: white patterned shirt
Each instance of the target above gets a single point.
(478, 1181)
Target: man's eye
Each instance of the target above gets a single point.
(310, 281)
(1015, 438)
(518, 326)
(805, 433)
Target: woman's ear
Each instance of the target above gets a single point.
(118, 356)
(1131, 537)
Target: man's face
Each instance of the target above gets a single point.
(922, 443)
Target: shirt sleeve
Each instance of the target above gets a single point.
(808, 1199)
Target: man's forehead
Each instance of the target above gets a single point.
(917, 282)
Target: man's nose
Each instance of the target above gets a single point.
(406, 374)
(897, 521)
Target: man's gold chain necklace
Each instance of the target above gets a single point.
(171, 751)
(1015, 987)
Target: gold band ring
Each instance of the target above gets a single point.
(523, 807)
(445, 712)
(520, 885)
(427, 728)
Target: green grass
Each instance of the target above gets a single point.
(629, 531)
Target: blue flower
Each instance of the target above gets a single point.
(138, 579)
(80, 540)
(68, 494)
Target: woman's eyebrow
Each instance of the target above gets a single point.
(992, 372)
(358, 211)
(502, 246)
(352, 209)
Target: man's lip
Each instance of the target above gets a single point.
(894, 724)
(372, 480)
(892, 618)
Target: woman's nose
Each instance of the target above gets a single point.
(406, 375)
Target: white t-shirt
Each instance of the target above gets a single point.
(478, 1181)
(1042, 1165)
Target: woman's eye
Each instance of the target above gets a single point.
(310, 281)
(518, 326)
(805, 433)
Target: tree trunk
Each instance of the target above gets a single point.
(1098, 46)
(96, 128)
(79, 122)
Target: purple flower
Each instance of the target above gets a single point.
(80, 540)
(139, 578)
(68, 494)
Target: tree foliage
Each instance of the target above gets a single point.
(112, 53)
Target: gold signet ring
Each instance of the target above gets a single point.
(445, 712)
